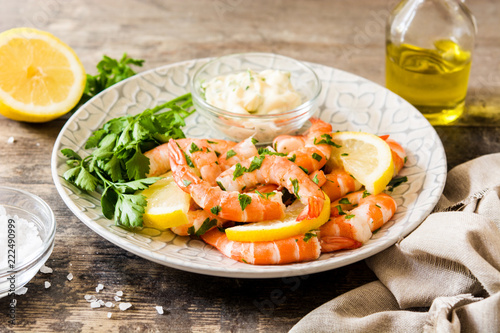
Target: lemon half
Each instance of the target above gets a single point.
(167, 204)
(279, 229)
(41, 78)
(365, 156)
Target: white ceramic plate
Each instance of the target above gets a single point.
(347, 101)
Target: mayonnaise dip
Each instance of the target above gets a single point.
(249, 92)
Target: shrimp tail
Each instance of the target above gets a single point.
(335, 243)
(312, 210)
(183, 175)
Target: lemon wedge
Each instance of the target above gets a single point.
(167, 204)
(365, 156)
(279, 229)
(41, 78)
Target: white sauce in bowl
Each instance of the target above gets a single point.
(266, 92)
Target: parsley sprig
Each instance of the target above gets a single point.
(117, 166)
(111, 71)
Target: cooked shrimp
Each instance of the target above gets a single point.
(196, 219)
(307, 151)
(398, 153)
(240, 152)
(159, 161)
(355, 217)
(231, 205)
(339, 183)
(278, 170)
(283, 251)
(287, 143)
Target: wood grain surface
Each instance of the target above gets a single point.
(348, 35)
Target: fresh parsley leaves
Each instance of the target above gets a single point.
(111, 71)
(117, 165)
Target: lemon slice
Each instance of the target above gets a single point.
(365, 156)
(279, 229)
(167, 204)
(41, 78)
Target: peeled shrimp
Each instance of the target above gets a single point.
(355, 219)
(240, 152)
(159, 161)
(280, 171)
(231, 205)
(398, 153)
(339, 183)
(306, 150)
(283, 251)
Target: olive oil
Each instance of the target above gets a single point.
(433, 80)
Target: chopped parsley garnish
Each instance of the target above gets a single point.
(206, 225)
(295, 184)
(212, 142)
(239, 170)
(186, 182)
(366, 193)
(217, 153)
(315, 179)
(194, 148)
(348, 217)
(266, 151)
(395, 182)
(256, 163)
(230, 153)
(309, 235)
(339, 208)
(317, 157)
(215, 210)
(221, 186)
(265, 195)
(344, 154)
(244, 200)
(293, 158)
(254, 141)
(378, 206)
(327, 140)
(344, 201)
(304, 169)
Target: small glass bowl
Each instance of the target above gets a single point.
(20, 204)
(265, 127)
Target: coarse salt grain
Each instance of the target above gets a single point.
(99, 287)
(90, 298)
(119, 293)
(95, 304)
(108, 304)
(109, 314)
(21, 291)
(159, 308)
(125, 306)
(46, 270)
(117, 298)
(70, 277)
(47, 284)
(28, 241)
(11, 140)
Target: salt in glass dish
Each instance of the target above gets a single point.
(20, 204)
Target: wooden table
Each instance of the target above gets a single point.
(348, 35)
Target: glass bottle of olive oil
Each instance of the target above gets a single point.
(428, 56)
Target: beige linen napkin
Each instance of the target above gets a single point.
(443, 277)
